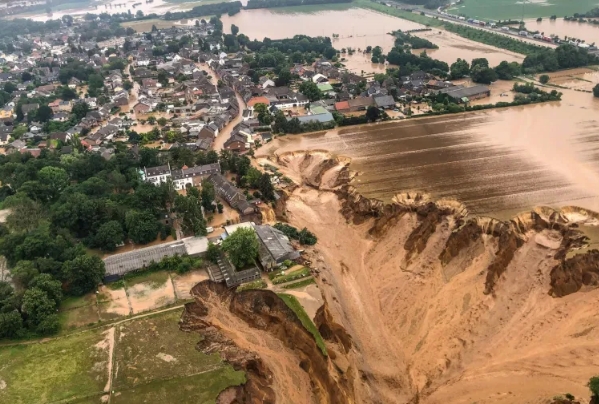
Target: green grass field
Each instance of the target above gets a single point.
(62, 369)
(153, 348)
(154, 362)
(505, 9)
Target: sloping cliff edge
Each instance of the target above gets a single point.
(320, 170)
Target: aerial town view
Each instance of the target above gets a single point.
(299, 201)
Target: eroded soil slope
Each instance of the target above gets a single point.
(442, 308)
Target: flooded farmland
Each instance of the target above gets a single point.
(497, 162)
(359, 28)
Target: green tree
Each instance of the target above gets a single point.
(10, 87)
(189, 211)
(80, 109)
(142, 227)
(11, 324)
(48, 284)
(55, 179)
(596, 91)
(544, 79)
(24, 273)
(310, 90)
(373, 113)
(483, 75)
(44, 113)
(507, 71)
(208, 195)
(162, 121)
(459, 69)
(593, 385)
(234, 29)
(109, 235)
(266, 188)
(482, 62)
(37, 305)
(283, 79)
(213, 252)
(83, 274)
(241, 247)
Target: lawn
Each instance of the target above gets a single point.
(57, 370)
(300, 284)
(146, 25)
(78, 312)
(153, 279)
(291, 276)
(505, 9)
(199, 388)
(406, 15)
(153, 348)
(299, 311)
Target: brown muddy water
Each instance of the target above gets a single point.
(497, 162)
(587, 32)
(359, 28)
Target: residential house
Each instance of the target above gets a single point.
(181, 178)
(60, 117)
(142, 108)
(384, 101)
(238, 143)
(234, 197)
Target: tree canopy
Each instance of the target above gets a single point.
(241, 247)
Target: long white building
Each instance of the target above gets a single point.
(192, 176)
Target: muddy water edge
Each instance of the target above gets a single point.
(497, 162)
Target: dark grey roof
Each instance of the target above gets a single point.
(322, 118)
(465, 91)
(384, 101)
(276, 243)
(160, 170)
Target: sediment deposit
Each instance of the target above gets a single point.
(424, 303)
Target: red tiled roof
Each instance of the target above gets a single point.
(341, 105)
(258, 100)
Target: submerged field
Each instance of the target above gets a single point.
(505, 9)
(497, 163)
(145, 360)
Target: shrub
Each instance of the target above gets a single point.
(544, 79)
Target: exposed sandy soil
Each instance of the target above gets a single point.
(309, 297)
(184, 283)
(144, 296)
(421, 329)
(113, 303)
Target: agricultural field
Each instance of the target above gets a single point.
(505, 9)
(61, 369)
(133, 295)
(143, 360)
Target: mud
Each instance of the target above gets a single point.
(425, 322)
(255, 331)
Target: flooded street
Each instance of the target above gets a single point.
(359, 28)
(497, 162)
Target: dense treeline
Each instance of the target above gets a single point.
(304, 236)
(490, 38)
(402, 38)
(252, 4)
(563, 57)
(230, 8)
(410, 63)
(61, 204)
(13, 28)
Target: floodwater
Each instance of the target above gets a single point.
(496, 162)
(114, 7)
(580, 30)
(359, 28)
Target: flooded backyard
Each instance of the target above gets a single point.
(497, 162)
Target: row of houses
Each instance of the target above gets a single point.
(181, 178)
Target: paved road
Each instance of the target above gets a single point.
(434, 13)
